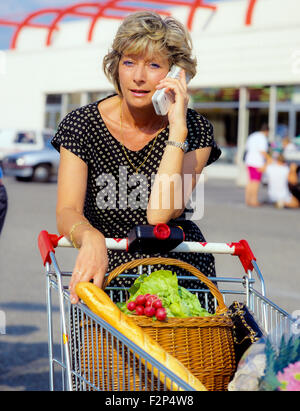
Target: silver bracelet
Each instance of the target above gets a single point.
(184, 146)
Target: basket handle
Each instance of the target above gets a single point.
(221, 309)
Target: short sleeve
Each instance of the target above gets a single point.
(201, 135)
(264, 144)
(72, 135)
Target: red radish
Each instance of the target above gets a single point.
(161, 314)
(139, 309)
(146, 296)
(150, 300)
(131, 306)
(148, 303)
(149, 311)
(140, 300)
(157, 304)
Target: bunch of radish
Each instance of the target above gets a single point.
(149, 305)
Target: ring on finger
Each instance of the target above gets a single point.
(79, 272)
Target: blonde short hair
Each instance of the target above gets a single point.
(148, 32)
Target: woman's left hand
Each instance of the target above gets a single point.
(178, 109)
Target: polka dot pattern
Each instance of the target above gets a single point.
(116, 197)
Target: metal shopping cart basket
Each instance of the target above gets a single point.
(77, 329)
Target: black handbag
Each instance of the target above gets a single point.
(246, 331)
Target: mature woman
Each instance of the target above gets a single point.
(107, 145)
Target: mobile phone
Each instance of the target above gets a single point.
(162, 100)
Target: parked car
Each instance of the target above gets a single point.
(15, 141)
(37, 165)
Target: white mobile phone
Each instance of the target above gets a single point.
(162, 100)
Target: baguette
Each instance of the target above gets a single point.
(100, 303)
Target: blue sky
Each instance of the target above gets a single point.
(16, 10)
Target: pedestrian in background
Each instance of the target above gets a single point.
(255, 158)
(294, 182)
(3, 201)
(277, 174)
(288, 146)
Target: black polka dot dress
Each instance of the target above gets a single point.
(117, 197)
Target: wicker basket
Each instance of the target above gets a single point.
(203, 344)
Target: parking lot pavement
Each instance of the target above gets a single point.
(272, 234)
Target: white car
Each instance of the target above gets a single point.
(15, 141)
(37, 165)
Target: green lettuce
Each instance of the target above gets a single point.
(177, 301)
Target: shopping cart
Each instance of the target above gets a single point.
(89, 353)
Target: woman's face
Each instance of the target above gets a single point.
(138, 76)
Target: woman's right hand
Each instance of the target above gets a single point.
(91, 262)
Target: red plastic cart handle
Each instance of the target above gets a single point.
(244, 252)
(47, 242)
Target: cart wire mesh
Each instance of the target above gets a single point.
(100, 355)
(86, 353)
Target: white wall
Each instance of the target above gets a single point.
(228, 52)
(31, 75)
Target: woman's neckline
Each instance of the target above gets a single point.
(114, 138)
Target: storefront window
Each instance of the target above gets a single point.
(98, 95)
(259, 94)
(53, 99)
(220, 107)
(74, 101)
(224, 122)
(53, 110)
(52, 119)
(257, 117)
(285, 94)
(207, 95)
